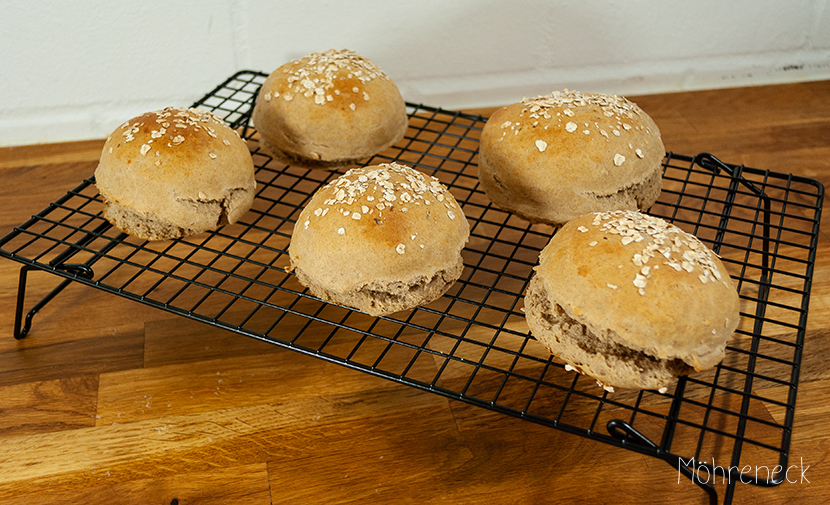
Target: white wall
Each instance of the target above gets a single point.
(73, 70)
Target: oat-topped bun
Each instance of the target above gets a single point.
(552, 158)
(174, 172)
(380, 239)
(631, 300)
(328, 109)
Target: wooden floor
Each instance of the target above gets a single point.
(109, 401)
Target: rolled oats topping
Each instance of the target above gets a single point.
(380, 189)
(566, 101)
(556, 110)
(659, 243)
(167, 126)
(315, 76)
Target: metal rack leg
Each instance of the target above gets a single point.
(84, 270)
(21, 332)
(625, 432)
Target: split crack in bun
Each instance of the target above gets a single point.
(174, 172)
(631, 300)
(328, 109)
(553, 158)
(380, 239)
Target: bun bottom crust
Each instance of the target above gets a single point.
(635, 196)
(296, 160)
(381, 298)
(610, 363)
(192, 216)
(149, 226)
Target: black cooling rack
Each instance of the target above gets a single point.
(473, 345)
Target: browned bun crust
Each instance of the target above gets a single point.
(328, 109)
(380, 239)
(552, 158)
(174, 172)
(631, 300)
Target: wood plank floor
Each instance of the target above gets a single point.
(109, 401)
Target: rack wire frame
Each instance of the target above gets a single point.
(473, 345)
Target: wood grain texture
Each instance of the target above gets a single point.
(109, 401)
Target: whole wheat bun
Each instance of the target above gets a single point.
(552, 158)
(328, 109)
(380, 239)
(631, 300)
(174, 172)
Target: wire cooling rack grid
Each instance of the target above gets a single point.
(473, 344)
